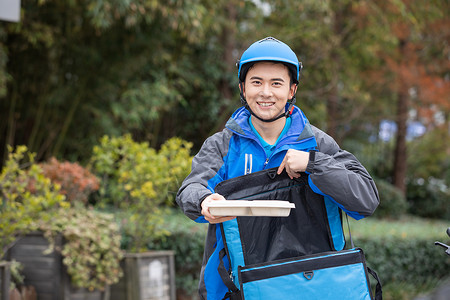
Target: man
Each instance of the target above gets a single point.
(268, 132)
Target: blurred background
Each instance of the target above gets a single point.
(128, 90)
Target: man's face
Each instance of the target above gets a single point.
(267, 88)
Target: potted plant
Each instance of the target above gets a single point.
(90, 249)
(140, 183)
(74, 245)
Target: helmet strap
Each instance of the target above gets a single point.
(286, 114)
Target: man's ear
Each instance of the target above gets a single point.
(242, 88)
(293, 90)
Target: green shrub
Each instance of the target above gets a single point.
(140, 180)
(76, 182)
(187, 239)
(25, 194)
(392, 202)
(405, 260)
(132, 171)
(91, 249)
(429, 198)
(32, 202)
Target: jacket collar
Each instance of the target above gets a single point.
(300, 127)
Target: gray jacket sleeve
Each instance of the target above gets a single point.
(205, 166)
(338, 174)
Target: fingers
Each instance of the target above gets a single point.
(208, 216)
(216, 220)
(294, 162)
(291, 173)
(281, 167)
(205, 205)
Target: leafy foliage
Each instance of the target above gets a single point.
(429, 198)
(407, 260)
(131, 171)
(31, 201)
(76, 182)
(107, 67)
(140, 179)
(17, 279)
(26, 195)
(91, 248)
(393, 203)
(427, 158)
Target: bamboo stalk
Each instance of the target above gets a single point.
(37, 124)
(66, 125)
(11, 123)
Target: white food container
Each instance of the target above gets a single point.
(268, 208)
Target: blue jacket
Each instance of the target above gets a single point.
(335, 174)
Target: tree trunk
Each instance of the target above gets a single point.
(400, 145)
(228, 41)
(332, 110)
(399, 170)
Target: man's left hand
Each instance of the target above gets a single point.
(294, 162)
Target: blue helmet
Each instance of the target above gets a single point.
(269, 49)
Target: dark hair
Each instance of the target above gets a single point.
(245, 68)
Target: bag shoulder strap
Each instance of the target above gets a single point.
(378, 289)
(349, 232)
(225, 276)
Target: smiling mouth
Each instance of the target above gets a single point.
(266, 104)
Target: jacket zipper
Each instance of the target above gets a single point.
(280, 144)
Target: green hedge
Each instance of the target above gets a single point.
(392, 202)
(413, 261)
(403, 253)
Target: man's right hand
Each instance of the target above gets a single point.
(205, 210)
